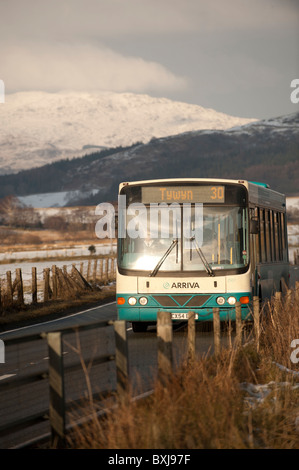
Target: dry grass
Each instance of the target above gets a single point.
(280, 325)
(238, 400)
(17, 239)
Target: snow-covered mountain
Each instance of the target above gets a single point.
(38, 128)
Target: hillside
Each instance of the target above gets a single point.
(262, 151)
(39, 128)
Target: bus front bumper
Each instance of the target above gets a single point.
(149, 314)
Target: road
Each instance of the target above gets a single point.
(91, 315)
(23, 360)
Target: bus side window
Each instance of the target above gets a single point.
(276, 236)
(262, 236)
(268, 239)
(258, 239)
(284, 255)
(271, 235)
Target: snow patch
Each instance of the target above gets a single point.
(39, 128)
(59, 199)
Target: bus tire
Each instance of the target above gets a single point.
(139, 326)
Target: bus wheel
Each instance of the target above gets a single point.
(139, 326)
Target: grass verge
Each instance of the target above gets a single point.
(55, 308)
(240, 399)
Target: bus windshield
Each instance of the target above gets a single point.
(207, 241)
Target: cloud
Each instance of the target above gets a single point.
(242, 15)
(115, 18)
(92, 18)
(59, 66)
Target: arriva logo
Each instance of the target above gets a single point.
(185, 285)
(166, 285)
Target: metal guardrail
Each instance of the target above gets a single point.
(67, 380)
(69, 368)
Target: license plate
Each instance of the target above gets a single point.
(181, 316)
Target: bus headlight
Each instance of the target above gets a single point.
(143, 300)
(220, 300)
(232, 300)
(132, 301)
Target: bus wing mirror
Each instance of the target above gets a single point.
(254, 226)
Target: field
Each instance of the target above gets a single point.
(71, 243)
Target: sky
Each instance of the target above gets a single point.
(235, 56)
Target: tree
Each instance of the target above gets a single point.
(55, 222)
(92, 249)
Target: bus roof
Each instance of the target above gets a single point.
(265, 185)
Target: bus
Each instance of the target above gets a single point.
(193, 244)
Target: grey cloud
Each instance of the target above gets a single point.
(58, 66)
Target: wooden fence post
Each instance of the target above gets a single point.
(101, 269)
(121, 357)
(95, 270)
(297, 292)
(65, 287)
(19, 285)
(216, 327)
(46, 284)
(54, 282)
(238, 324)
(34, 285)
(256, 320)
(165, 353)
(56, 388)
(80, 281)
(9, 288)
(88, 270)
(107, 270)
(191, 336)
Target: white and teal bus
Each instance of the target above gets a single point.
(195, 244)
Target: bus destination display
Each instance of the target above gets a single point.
(181, 194)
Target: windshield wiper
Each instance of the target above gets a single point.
(203, 258)
(161, 261)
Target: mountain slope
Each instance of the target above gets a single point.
(39, 128)
(262, 151)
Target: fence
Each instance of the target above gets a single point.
(53, 283)
(68, 369)
(86, 365)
